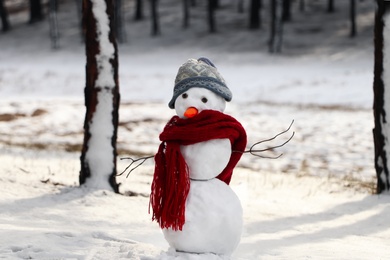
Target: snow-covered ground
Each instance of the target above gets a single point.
(314, 202)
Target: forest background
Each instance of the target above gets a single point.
(318, 193)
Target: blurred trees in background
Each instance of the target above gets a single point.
(36, 12)
(155, 21)
(4, 16)
(273, 13)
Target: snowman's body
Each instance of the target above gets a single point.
(213, 213)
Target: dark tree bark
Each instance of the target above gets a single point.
(352, 14)
(302, 5)
(54, 31)
(286, 16)
(381, 114)
(102, 62)
(254, 17)
(276, 32)
(4, 17)
(36, 13)
(217, 4)
(186, 13)
(155, 19)
(240, 6)
(139, 11)
(211, 15)
(120, 31)
(330, 6)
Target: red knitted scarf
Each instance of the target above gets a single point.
(171, 182)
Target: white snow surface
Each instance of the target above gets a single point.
(315, 202)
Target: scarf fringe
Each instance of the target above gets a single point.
(170, 187)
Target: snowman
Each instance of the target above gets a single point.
(190, 197)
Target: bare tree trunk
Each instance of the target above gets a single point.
(302, 5)
(330, 6)
(54, 31)
(352, 14)
(286, 15)
(120, 31)
(240, 6)
(217, 4)
(155, 19)
(276, 35)
(139, 14)
(212, 4)
(381, 131)
(36, 13)
(4, 17)
(186, 11)
(254, 18)
(98, 158)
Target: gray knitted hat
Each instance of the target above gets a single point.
(199, 73)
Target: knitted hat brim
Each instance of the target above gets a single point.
(209, 83)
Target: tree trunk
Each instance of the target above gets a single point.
(120, 31)
(330, 6)
(98, 158)
(211, 15)
(381, 131)
(186, 11)
(240, 6)
(54, 32)
(254, 18)
(4, 17)
(139, 14)
(155, 19)
(286, 16)
(276, 35)
(36, 13)
(217, 4)
(352, 14)
(302, 5)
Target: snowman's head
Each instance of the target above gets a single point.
(195, 100)
(198, 84)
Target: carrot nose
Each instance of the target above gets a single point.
(191, 112)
